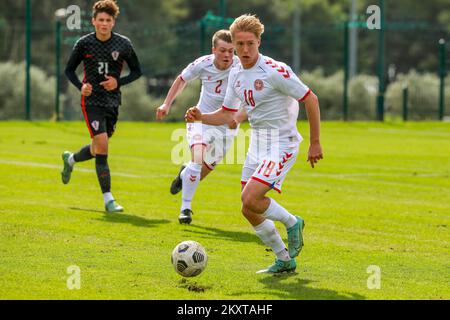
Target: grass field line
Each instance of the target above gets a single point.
(409, 131)
(134, 176)
(376, 167)
(375, 174)
(52, 166)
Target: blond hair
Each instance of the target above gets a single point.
(107, 6)
(247, 23)
(223, 35)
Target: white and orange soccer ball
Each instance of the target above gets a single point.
(189, 258)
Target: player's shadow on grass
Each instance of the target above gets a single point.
(126, 218)
(299, 289)
(215, 233)
(133, 220)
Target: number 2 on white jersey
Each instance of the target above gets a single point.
(218, 90)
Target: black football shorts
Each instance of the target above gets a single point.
(100, 119)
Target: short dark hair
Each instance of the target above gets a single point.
(107, 6)
(224, 35)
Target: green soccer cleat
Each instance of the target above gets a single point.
(113, 207)
(295, 237)
(177, 183)
(67, 170)
(281, 266)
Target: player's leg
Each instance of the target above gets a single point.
(190, 178)
(194, 136)
(177, 183)
(206, 170)
(273, 173)
(69, 160)
(218, 145)
(254, 204)
(100, 148)
(189, 175)
(207, 150)
(84, 154)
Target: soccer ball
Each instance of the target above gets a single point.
(189, 258)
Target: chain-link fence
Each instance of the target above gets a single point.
(165, 50)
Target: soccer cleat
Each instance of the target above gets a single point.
(67, 170)
(295, 237)
(185, 216)
(177, 183)
(280, 266)
(113, 207)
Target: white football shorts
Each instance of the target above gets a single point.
(270, 165)
(217, 140)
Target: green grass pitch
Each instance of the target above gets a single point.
(381, 197)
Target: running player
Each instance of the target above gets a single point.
(270, 92)
(208, 144)
(103, 54)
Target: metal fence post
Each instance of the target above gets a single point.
(58, 68)
(28, 62)
(381, 53)
(222, 12)
(346, 73)
(405, 102)
(202, 37)
(442, 74)
(60, 14)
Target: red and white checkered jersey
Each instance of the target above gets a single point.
(214, 81)
(270, 92)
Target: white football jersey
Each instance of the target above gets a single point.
(270, 92)
(214, 81)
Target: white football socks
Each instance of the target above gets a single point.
(275, 212)
(71, 160)
(107, 196)
(191, 178)
(269, 235)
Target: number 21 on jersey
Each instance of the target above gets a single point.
(103, 68)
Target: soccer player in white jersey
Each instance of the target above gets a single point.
(208, 144)
(270, 92)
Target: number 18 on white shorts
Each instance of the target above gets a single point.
(269, 167)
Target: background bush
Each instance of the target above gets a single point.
(423, 95)
(12, 92)
(329, 89)
(138, 105)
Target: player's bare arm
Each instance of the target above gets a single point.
(217, 118)
(238, 118)
(313, 112)
(177, 87)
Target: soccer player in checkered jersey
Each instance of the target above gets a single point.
(103, 54)
(271, 93)
(208, 144)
